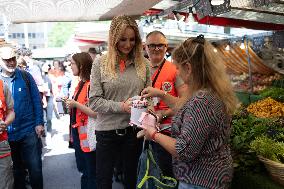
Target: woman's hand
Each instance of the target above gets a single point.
(149, 130)
(70, 103)
(159, 115)
(126, 106)
(3, 126)
(151, 92)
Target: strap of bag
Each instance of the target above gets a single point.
(162, 182)
(158, 73)
(27, 81)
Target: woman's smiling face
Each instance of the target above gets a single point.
(126, 42)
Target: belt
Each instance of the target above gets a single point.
(121, 132)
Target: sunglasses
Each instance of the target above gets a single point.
(156, 46)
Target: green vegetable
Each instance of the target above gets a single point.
(268, 148)
(245, 129)
(274, 92)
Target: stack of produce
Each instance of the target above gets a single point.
(259, 81)
(240, 82)
(266, 108)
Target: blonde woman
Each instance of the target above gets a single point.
(201, 127)
(116, 77)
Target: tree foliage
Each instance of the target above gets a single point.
(60, 33)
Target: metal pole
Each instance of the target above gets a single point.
(6, 28)
(249, 65)
(45, 35)
(26, 33)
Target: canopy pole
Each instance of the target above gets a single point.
(249, 65)
(27, 45)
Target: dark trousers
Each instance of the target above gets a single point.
(163, 158)
(26, 153)
(111, 144)
(86, 163)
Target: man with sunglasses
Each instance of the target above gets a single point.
(164, 77)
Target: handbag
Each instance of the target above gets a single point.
(91, 133)
(150, 175)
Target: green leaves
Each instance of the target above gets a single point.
(60, 33)
(273, 92)
(268, 148)
(245, 129)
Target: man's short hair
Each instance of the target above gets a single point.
(156, 32)
(92, 50)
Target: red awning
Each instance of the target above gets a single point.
(89, 41)
(237, 23)
(227, 22)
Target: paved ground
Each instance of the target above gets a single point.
(59, 166)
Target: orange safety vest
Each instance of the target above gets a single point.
(166, 82)
(3, 112)
(82, 118)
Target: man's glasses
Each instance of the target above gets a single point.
(156, 46)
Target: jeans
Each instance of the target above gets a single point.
(183, 185)
(26, 153)
(86, 163)
(164, 159)
(109, 145)
(47, 113)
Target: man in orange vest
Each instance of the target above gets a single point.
(164, 77)
(7, 116)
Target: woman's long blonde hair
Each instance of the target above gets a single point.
(207, 69)
(117, 27)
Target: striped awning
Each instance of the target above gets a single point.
(236, 61)
(25, 11)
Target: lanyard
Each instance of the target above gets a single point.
(74, 110)
(159, 70)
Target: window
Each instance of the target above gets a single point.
(40, 35)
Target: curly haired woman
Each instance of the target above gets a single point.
(201, 128)
(116, 77)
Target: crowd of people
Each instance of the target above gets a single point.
(191, 98)
(31, 88)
